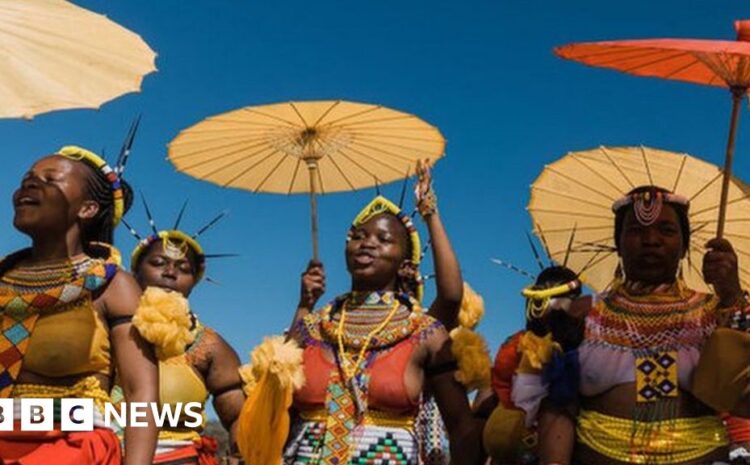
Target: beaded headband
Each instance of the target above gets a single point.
(647, 205)
(380, 205)
(539, 300)
(176, 244)
(76, 153)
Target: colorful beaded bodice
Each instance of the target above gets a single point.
(27, 291)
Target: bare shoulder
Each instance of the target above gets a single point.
(218, 347)
(121, 296)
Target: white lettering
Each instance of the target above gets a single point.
(167, 413)
(138, 410)
(194, 410)
(120, 416)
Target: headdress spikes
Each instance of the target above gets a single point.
(570, 246)
(179, 215)
(535, 251)
(544, 242)
(132, 230)
(150, 217)
(403, 189)
(127, 145)
(512, 267)
(221, 255)
(210, 224)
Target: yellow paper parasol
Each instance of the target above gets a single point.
(58, 56)
(576, 193)
(343, 145)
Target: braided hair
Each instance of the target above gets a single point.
(406, 284)
(101, 227)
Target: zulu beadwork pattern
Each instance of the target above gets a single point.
(26, 292)
(657, 322)
(373, 445)
(656, 376)
(346, 403)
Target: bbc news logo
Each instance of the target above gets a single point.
(80, 414)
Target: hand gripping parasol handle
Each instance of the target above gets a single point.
(312, 167)
(737, 94)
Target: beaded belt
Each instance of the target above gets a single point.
(659, 442)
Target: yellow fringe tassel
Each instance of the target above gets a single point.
(263, 425)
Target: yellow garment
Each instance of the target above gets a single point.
(473, 358)
(163, 319)
(504, 433)
(179, 383)
(472, 308)
(536, 352)
(263, 425)
(88, 387)
(69, 342)
(667, 442)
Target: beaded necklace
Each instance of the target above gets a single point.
(28, 290)
(350, 367)
(364, 314)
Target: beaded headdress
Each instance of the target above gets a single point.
(73, 152)
(539, 299)
(647, 205)
(113, 175)
(176, 243)
(380, 205)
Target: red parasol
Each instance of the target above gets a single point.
(710, 62)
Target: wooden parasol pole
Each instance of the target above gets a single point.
(312, 168)
(737, 94)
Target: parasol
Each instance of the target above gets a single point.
(710, 62)
(576, 193)
(58, 56)
(343, 145)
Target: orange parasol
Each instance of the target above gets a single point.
(710, 62)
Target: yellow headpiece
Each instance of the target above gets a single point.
(176, 244)
(380, 205)
(73, 152)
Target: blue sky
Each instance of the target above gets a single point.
(482, 71)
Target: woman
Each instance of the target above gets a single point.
(174, 261)
(519, 382)
(75, 305)
(642, 341)
(369, 356)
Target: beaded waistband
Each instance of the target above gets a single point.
(659, 442)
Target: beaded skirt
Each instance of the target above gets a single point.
(384, 445)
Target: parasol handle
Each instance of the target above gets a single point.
(312, 167)
(737, 94)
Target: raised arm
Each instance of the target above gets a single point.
(136, 365)
(448, 278)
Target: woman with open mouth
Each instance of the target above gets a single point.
(368, 358)
(66, 309)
